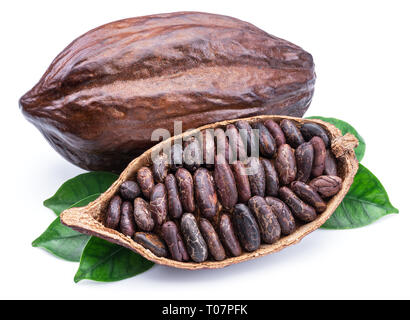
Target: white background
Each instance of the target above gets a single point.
(361, 51)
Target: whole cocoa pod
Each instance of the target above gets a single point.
(129, 77)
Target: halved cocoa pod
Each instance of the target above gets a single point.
(309, 195)
(205, 193)
(91, 219)
(225, 183)
(242, 181)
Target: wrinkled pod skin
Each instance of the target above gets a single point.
(151, 242)
(173, 239)
(246, 227)
(283, 214)
(195, 243)
(126, 78)
(300, 209)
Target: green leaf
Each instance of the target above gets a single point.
(78, 188)
(366, 201)
(346, 128)
(62, 241)
(104, 261)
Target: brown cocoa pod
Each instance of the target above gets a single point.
(145, 180)
(228, 236)
(225, 183)
(267, 144)
(286, 164)
(222, 144)
(127, 222)
(256, 176)
(174, 203)
(319, 156)
(151, 242)
(283, 214)
(247, 137)
(246, 227)
(113, 213)
(267, 221)
(176, 155)
(205, 194)
(174, 241)
(271, 177)
(292, 133)
(211, 237)
(304, 155)
(158, 203)
(142, 215)
(310, 130)
(276, 132)
(208, 148)
(326, 186)
(192, 156)
(330, 164)
(195, 243)
(300, 209)
(160, 168)
(126, 78)
(186, 189)
(242, 182)
(309, 195)
(129, 190)
(235, 141)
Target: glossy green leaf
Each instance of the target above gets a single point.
(366, 201)
(104, 261)
(78, 188)
(62, 241)
(346, 128)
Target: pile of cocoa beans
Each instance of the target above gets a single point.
(228, 190)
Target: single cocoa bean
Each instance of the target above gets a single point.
(300, 209)
(174, 241)
(186, 189)
(304, 155)
(267, 144)
(228, 236)
(248, 137)
(276, 132)
(222, 144)
(205, 194)
(195, 243)
(319, 156)
(158, 203)
(129, 190)
(174, 203)
(225, 183)
(176, 157)
(127, 222)
(292, 133)
(242, 182)
(310, 130)
(286, 164)
(160, 167)
(142, 215)
(211, 237)
(246, 227)
(283, 214)
(267, 221)
(151, 242)
(330, 164)
(309, 195)
(256, 175)
(113, 213)
(271, 177)
(192, 154)
(145, 180)
(326, 186)
(235, 141)
(208, 148)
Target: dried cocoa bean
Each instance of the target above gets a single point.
(211, 237)
(228, 236)
(283, 214)
(129, 190)
(142, 215)
(256, 176)
(151, 242)
(292, 133)
(174, 203)
(145, 180)
(300, 209)
(160, 168)
(222, 144)
(304, 155)
(205, 194)
(286, 164)
(330, 164)
(319, 156)
(174, 241)
(248, 137)
(267, 221)
(225, 183)
(242, 182)
(186, 189)
(310, 130)
(267, 144)
(271, 177)
(309, 195)
(192, 154)
(113, 213)
(326, 186)
(246, 227)
(235, 141)
(127, 222)
(176, 157)
(158, 203)
(276, 132)
(195, 243)
(208, 148)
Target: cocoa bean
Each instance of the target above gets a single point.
(129, 190)
(228, 236)
(127, 222)
(242, 182)
(145, 180)
(319, 156)
(174, 241)
(267, 144)
(158, 203)
(271, 177)
(286, 164)
(326, 186)
(195, 243)
(192, 156)
(248, 137)
(186, 189)
(310, 130)
(211, 237)
(276, 132)
(174, 203)
(205, 194)
(256, 176)
(113, 213)
(208, 148)
(283, 214)
(300, 209)
(330, 164)
(142, 215)
(176, 157)
(235, 141)
(267, 221)
(160, 167)
(292, 133)
(246, 227)
(309, 195)
(151, 242)
(225, 183)
(222, 144)
(304, 155)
